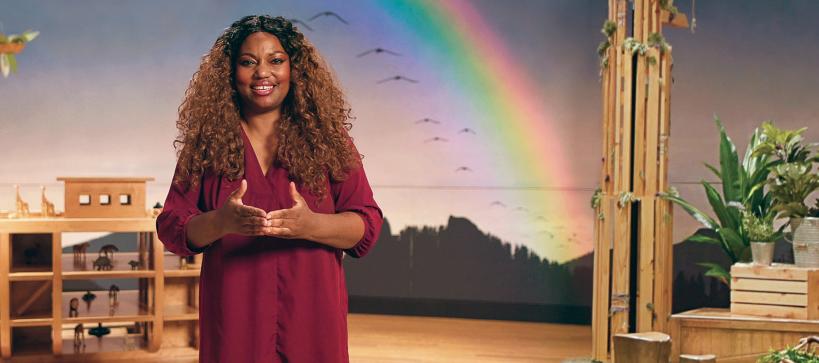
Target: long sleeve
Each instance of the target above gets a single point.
(354, 194)
(180, 206)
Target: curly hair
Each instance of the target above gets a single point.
(312, 132)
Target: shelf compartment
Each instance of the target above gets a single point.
(99, 311)
(181, 299)
(26, 341)
(84, 269)
(180, 334)
(125, 336)
(30, 300)
(173, 266)
(31, 252)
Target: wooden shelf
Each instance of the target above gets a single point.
(171, 267)
(85, 269)
(118, 341)
(60, 224)
(41, 320)
(31, 276)
(181, 313)
(128, 309)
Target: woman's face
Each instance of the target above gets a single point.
(262, 76)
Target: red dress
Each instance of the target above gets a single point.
(267, 299)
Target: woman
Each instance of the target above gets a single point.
(269, 186)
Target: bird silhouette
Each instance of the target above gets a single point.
(463, 168)
(436, 138)
(297, 21)
(329, 13)
(378, 51)
(397, 78)
(497, 203)
(427, 120)
(467, 131)
(521, 209)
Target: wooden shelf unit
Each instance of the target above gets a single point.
(165, 305)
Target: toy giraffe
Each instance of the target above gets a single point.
(22, 206)
(46, 207)
(79, 335)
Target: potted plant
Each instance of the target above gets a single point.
(11, 45)
(743, 184)
(792, 181)
(762, 236)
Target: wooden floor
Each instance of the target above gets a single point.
(404, 339)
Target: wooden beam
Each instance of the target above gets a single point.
(159, 292)
(57, 294)
(5, 296)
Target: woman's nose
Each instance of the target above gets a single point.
(263, 72)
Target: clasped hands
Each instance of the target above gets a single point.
(292, 223)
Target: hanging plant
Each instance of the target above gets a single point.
(11, 45)
(609, 28)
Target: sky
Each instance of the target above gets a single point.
(97, 94)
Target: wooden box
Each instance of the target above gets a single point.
(778, 291)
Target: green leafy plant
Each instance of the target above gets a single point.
(609, 28)
(743, 189)
(790, 186)
(785, 145)
(760, 229)
(8, 63)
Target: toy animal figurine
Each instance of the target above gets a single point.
(79, 335)
(72, 308)
(103, 263)
(46, 207)
(134, 264)
(22, 206)
(108, 251)
(88, 298)
(112, 294)
(79, 251)
(99, 331)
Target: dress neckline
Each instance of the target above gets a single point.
(255, 158)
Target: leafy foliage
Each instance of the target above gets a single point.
(8, 63)
(743, 189)
(790, 354)
(790, 186)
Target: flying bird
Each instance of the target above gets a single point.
(467, 131)
(497, 203)
(397, 78)
(463, 168)
(377, 51)
(297, 21)
(427, 120)
(436, 138)
(329, 13)
(521, 209)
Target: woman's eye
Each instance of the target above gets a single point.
(278, 61)
(246, 62)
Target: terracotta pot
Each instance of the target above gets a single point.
(12, 48)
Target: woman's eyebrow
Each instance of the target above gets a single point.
(270, 53)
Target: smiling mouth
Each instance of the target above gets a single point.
(262, 90)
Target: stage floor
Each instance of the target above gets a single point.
(405, 339)
(389, 338)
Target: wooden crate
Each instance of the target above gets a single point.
(777, 291)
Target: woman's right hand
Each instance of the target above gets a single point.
(238, 218)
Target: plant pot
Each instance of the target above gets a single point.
(762, 253)
(12, 48)
(805, 241)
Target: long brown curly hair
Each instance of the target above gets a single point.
(312, 132)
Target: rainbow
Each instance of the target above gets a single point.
(461, 40)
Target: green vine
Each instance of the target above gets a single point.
(609, 28)
(668, 6)
(655, 40)
(626, 198)
(8, 63)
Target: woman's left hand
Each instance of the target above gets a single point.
(292, 223)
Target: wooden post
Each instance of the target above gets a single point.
(57, 293)
(651, 347)
(5, 296)
(633, 227)
(157, 249)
